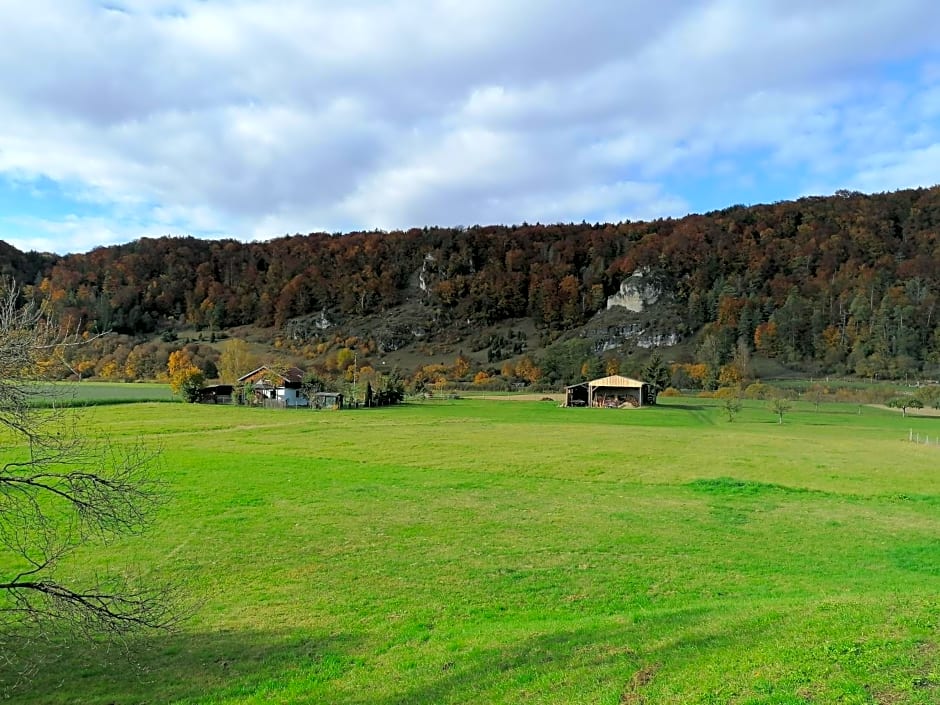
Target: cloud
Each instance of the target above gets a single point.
(252, 120)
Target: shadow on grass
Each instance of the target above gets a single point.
(686, 407)
(571, 664)
(609, 661)
(171, 667)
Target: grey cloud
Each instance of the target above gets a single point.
(343, 115)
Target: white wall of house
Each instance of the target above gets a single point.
(291, 397)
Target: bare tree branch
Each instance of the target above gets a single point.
(60, 491)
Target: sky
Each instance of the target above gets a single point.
(252, 120)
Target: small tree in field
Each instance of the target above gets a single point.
(732, 406)
(780, 405)
(905, 403)
(815, 394)
(730, 401)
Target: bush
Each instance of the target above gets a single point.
(757, 390)
(670, 392)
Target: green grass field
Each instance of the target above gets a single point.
(103, 393)
(508, 552)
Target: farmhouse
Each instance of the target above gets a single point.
(272, 388)
(614, 392)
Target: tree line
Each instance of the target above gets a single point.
(841, 284)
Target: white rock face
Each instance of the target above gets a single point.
(424, 275)
(659, 340)
(635, 294)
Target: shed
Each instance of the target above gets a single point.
(328, 400)
(613, 392)
(216, 394)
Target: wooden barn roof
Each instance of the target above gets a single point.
(616, 381)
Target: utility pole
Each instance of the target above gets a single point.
(356, 378)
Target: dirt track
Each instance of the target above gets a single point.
(910, 412)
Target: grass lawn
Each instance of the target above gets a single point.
(96, 393)
(479, 552)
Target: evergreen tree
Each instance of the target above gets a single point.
(656, 374)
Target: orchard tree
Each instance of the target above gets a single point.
(732, 405)
(904, 403)
(815, 394)
(730, 401)
(780, 405)
(61, 491)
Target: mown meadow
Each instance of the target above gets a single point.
(474, 551)
(91, 393)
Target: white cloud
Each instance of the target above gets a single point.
(889, 171)
(256, 119)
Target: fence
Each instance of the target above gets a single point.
(923, 440)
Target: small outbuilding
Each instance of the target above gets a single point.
(613, 392)
(328, 400)
(216, 394)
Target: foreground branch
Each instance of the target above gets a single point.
(60, 492)
(113, 612)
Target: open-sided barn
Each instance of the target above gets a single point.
(613, 392)
(216, 394)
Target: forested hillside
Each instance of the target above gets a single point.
(846, 284)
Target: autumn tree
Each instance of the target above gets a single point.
(526, 369)
(185, 378)
(765, 338)
(60, 491)
(461, 367)
(481, 378)
(710, 354)
(75, 357)
(236, 360)
(741, 362)
(611, 365)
